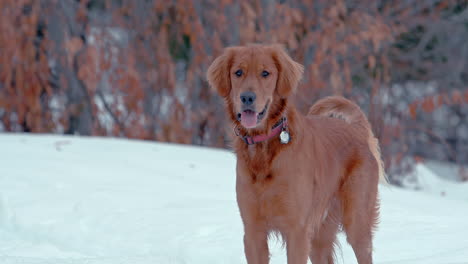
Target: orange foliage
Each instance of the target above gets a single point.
(428, 104)
(23, 68)
(457, 97)
(413, 110)
(137, 68)
(432, 102)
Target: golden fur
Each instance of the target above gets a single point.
(325, 179)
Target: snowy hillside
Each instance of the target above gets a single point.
(91, 200)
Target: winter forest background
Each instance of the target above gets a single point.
(136, 69)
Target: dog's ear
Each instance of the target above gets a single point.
(218, 74)
(289, 72)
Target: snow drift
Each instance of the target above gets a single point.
(98, 200)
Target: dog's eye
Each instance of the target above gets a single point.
(265, 73)
(238, 73)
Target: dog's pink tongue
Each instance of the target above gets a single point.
(249, 119)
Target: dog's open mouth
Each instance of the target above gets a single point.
(249, 118)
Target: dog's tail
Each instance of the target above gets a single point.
(339, 107)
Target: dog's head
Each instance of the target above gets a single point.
(254, 79)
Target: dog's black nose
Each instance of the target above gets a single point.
(247, 98)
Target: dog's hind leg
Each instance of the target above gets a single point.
(360, 210)
(323, 242)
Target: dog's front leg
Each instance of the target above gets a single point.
(298, 247)
(256, 246)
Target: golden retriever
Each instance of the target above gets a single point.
(304, 177)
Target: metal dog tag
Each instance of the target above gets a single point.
(284, 137)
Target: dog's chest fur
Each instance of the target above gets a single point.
(267, 187)
(258, 159)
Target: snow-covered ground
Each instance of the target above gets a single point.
(92, 200)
